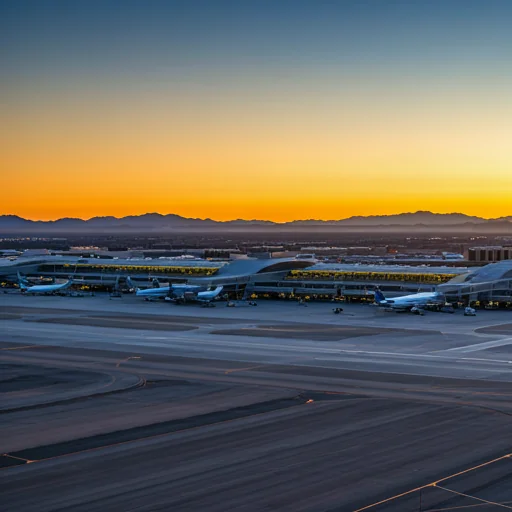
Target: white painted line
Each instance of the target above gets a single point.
(395, 354)
(424, 356)
(194, 342)
(416, 365)
(481, 346)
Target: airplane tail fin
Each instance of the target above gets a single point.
(130, 284)
(379, 296)
(22, 282)
(218, 289)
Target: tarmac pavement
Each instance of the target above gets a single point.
(277, 407)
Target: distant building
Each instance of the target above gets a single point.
(489, 254)
(30, 253)
(451, 256)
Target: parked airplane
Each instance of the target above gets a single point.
(35, 281)
(158, 291)
(205, 297)
(416, 301)
(179, 293)
(43, 289)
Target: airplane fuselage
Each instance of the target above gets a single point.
(180, 293)
(42, 289)
(407, 302)
(164, 291)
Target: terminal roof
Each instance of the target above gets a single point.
(73, 260)
(491, 272)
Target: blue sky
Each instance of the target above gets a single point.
(376, 88)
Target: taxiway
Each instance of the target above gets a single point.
(124, 405)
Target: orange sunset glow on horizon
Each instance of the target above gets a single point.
(289, 162)
(220, 128)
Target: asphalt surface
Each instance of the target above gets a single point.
(26, 386)
(119, 405)
(315, 332)
(125, 323)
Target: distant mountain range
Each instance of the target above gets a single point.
(156, 222)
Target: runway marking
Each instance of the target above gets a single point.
(227, 372)
(435, 483)
(305, 348)
(463, 507)
(421, 356)
(127, 359)
(27, 461)
(217, 344)
(414, 374)
(487, 502)
(482, 346)
(434, 356)
(186, 340)
(407, 354)
(483, 359)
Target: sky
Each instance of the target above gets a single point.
(274, 110)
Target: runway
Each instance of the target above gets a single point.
(178, 408)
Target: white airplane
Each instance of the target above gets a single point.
(415, 302)
(204, 297)
(158, 291)
(179, 293)
(43, 289)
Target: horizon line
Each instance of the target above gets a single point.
(249, 220)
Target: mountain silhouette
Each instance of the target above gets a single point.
(156, 222)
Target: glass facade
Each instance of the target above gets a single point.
(403, 277)
(112, 268)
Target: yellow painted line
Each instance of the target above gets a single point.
(434, 484)
(28, 461)
(507, 456)
(393, 498)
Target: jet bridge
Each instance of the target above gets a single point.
(488, 290)
(492, 282)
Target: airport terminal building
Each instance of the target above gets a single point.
(284, 278)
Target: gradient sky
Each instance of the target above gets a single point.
(275, 109)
